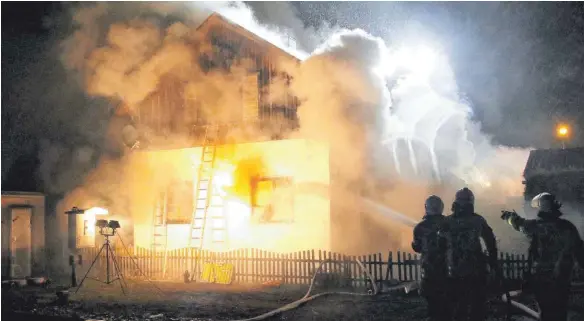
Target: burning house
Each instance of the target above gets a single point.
(210, 169)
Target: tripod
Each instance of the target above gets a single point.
(109, 253)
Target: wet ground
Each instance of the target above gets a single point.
(181, 302)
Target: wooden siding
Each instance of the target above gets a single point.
(170, 111)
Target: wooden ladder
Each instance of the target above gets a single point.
(208, 204)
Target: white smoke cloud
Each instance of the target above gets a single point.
(390, 98)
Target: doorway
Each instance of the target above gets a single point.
(20, 242)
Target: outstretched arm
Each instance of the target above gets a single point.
(518, 222)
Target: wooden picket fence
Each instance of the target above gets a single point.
(258, 266)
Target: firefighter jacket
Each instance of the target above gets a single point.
(430, 246)
(554, 244)
(462, 232)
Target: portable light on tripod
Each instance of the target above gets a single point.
(107, 229)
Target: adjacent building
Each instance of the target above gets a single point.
(561, 172)
(23, 234)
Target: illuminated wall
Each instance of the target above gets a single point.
(23, 234)
(298, 219)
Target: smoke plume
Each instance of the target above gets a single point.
(388, 120)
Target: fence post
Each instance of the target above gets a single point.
(508, 265)
(312, 263)
(410, 267)
(379, 265)
(305, 267)
(399, 264)
(373, 263)
(390, 266)
(515, 266)
(416, 267)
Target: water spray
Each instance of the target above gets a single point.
(388, 212)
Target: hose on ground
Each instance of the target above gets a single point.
(307, 297)
(520, 306)
(532, 313)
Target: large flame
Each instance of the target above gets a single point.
(223, 178)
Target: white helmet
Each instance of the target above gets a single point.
(434, 205)
(545, 202)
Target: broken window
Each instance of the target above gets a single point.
(272, 200)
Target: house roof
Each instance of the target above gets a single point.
(217, 19)
(552, 161)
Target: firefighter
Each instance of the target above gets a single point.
(554, 246)
(466, 263)
(427, 243)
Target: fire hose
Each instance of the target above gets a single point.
(307, 297)
(532, 313)
(507, 299)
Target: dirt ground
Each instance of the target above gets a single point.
(181, 302)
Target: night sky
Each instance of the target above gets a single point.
(520, 64)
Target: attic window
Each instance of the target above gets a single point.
(272, 200)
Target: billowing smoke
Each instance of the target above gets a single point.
(398, 124)
(142, 56)
(396, 131)
(417, 119)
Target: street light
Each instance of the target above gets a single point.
(563, 132)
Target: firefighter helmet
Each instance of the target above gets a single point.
(464, 197)
(434, 205)
(545, 202)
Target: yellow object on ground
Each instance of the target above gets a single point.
(221, 273)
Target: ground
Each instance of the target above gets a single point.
(179, 301)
